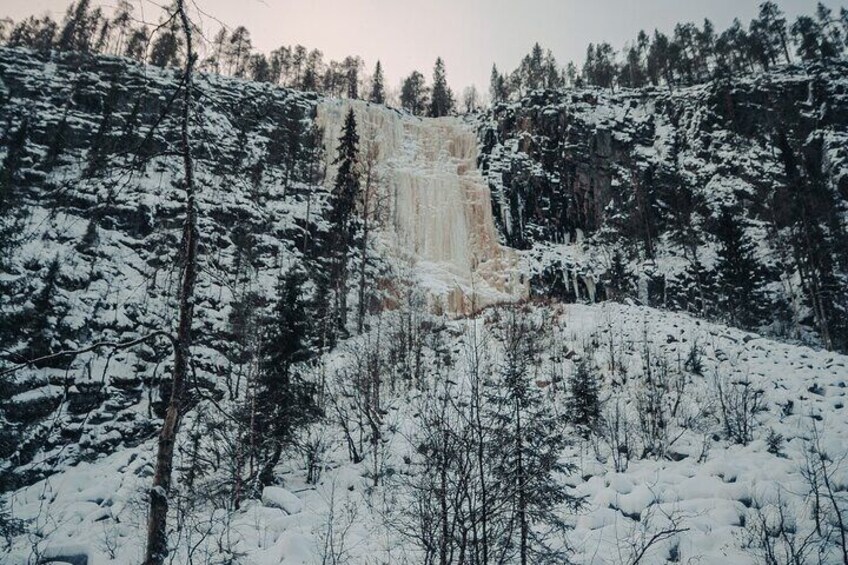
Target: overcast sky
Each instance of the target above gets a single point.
(469, 34)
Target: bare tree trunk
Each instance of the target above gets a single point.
(480, 444)
(443, 502)
(363, 259)
(522, 493)
(157, 534)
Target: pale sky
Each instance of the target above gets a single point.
(469, 35)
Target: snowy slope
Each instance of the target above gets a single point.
(710, 486)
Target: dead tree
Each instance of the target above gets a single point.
(157, 536)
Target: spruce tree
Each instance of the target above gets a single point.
(617, 280)
(378, 94)
(43, 328)
(525, 458)
(12, 164)
(497, 87)
(441, 101)
(10, 172)
(739, 273)
(284, 402)
(57, 142)
(583, 403)
(700, 290)
(341, 216)
(534, 72)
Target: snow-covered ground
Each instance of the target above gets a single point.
(708, 487)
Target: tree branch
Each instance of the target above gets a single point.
(115, 345)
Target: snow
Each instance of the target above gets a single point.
(712, 490)
(276, 497)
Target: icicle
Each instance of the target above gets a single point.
(440, 217)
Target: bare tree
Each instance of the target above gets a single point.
(740, 403)
(656, 526)
(157, 534)
(371, 208)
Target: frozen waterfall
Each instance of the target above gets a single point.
(438, 216)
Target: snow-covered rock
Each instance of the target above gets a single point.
(278, 497)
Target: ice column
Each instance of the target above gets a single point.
(439, 214)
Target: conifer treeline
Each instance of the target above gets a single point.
(86, 29)
(692, 54)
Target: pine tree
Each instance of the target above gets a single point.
(35, 33)
(772, 24)
(659, 64)
(583, 403)
(258, 68)
(122, 23)
(441, 101)
(78, 28)
(740, 275)
(237, 52)
(633, 75)
(350, 67)
(378, 94)
(165, 49)
(812, 44)
(599, 68)
(137, 44)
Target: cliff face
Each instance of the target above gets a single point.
(580, 175)
(94, 204)
(606, 195)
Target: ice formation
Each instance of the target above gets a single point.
(438, 212)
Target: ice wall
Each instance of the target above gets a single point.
(437, 213)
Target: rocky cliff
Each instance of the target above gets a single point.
(623, 196)
(636, 195)
(93, 202)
